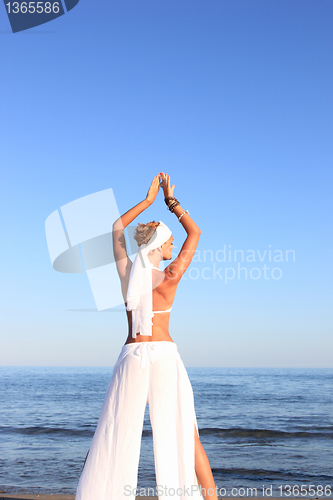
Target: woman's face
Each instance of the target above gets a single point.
(167, 248)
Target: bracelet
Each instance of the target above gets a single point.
(171, 202)
(187, 212)
(169, 198)
(172, 207)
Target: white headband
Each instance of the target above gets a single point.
(139, 293)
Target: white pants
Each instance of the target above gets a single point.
(150, 372)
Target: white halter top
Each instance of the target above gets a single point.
(167, 310)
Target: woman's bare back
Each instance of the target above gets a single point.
(164, 291)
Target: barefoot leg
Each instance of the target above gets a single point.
(203, 470)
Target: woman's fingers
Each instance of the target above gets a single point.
(153, 189)
(165, 183)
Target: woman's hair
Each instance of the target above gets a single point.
(144, 232)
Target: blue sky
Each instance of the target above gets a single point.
(234, 100)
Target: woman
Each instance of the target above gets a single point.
(149, 369)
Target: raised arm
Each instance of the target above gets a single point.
(123, 262)
(177, 268)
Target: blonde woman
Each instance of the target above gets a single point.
(149, 369)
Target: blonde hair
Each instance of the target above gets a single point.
(144, 232)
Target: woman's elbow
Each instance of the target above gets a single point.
(195, 232)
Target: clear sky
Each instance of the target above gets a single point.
(232, 98)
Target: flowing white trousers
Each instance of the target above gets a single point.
(150, 372)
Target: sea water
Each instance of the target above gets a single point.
(261, 428)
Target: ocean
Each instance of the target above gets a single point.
(261, 428)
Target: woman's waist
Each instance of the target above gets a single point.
(157, 342)
(155, 347)
(134, 342)
(159, 334)
(148, 351)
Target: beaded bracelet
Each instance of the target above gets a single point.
(186, 212)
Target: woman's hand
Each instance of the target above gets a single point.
(153, 190)
(165, 183)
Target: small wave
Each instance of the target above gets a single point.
(32, 431)
(265, 474)
(232, 433)
(318, 432)
(47, 430)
